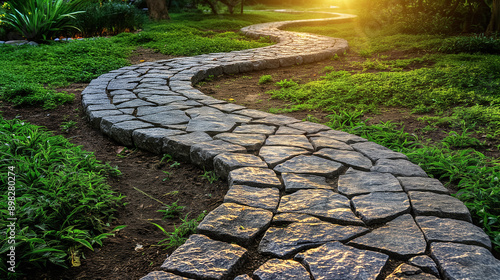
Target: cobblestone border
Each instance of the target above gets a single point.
(330, 205)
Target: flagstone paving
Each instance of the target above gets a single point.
(327, 204)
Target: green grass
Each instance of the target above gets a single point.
(29, 75)
(62, 201)
(181, 232)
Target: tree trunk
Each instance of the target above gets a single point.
(242, 2)
(157, 9)
(494, 25)
(213, 5)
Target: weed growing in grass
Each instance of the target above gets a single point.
(264, 79)
(62, 199)
(67, 126)
(211, 176)
(180, 233)
(172, 211)
(286, 83)
(463, 140)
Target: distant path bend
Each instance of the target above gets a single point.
(329, 186)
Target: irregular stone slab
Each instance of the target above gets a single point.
(310, 165)
(162, 275)
(294, 218)
(409, 272)
(203, 154)
(276, 120)
(284, 130)
(439, 205)
(228, 107)
(422, 184)
(285, 242)
(251, 142)
(180, 145)
(327, 142)
(398, 167)
(358, 182)
(335, 261)
(341, 136)
(235, 223)
(208, 126)
(203, 258)
(460, 261)
(122, 132)
(400, 237)
(167, 118)
(309, 127)
(95, 117)
(294, 182)
(349, 158)
(254, 177)
(450, 230)
(425, 263)
(375, 151)
(206, 112)
(149, 110)
(274, 155)
(151, 139)
(108, 121)
(277, 269)
(320, 203)
(255, 129)
(264, 198)
(254, 113)
(134, 104)
(299, 141)
(379, 207)
(242, 277)
(226, 162)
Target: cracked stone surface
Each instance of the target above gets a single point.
(235, 223)
(349, 158)
(460, 261)
(226, 162)
(267, 198)
(277, 269)
(358, 182)
(440, 205)
(155, 107)
(294, 182)
(284, 242)
(450, 230)
(381, 207)
(335, 261)
(400, 237)
(310, 165)
(320, 203)
(203, 258)
(409, 272)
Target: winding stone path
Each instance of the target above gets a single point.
(327, 204)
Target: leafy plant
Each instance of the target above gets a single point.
(62, 199)
(286, 83)
(211, 176)
(182, 232)
(67, 126)
(40, 20)
(172, 211)
(167, 175)
(264, 79)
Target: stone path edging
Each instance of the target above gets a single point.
(314, 193)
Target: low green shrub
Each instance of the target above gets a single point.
(478, 43)
(109, 18)
(62, 201)
(265, 79)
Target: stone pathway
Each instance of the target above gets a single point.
(325, 204)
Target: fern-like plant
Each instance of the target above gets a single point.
(40, 20)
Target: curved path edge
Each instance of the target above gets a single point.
(325, 204)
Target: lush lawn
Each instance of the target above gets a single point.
(457, 92)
